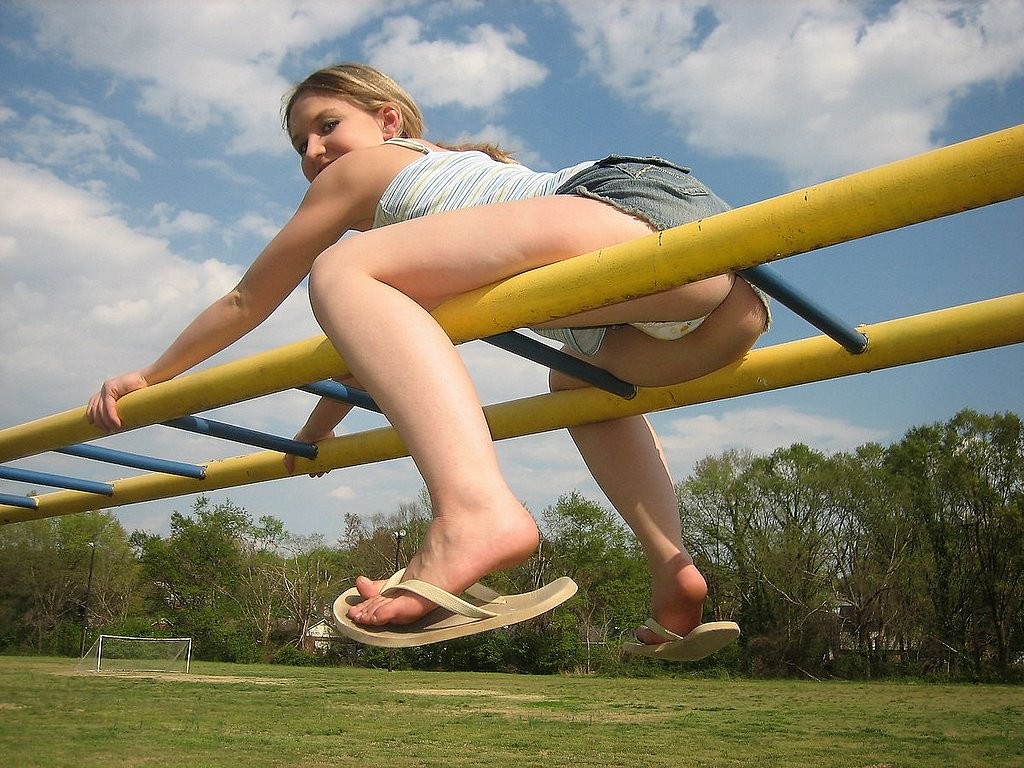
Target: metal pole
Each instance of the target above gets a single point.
(85, 603)
(399, 535)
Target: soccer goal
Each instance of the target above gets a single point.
(114, 653)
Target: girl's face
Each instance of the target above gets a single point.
(323, 128)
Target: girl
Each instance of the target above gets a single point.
(437, 222)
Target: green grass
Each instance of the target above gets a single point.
(227, 715)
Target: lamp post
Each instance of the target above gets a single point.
(85, 603)
(399, 535)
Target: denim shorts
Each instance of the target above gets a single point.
(657, 192)
(654, 190)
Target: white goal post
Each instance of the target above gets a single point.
(115, 653)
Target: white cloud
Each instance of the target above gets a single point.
(198, 64)
(508, 141)
(343, 492)
(171, 222)
(477, 73)
(84, 283)
(88, 297)
(770, 80)
(73, 138)
(8, 247)
(687, 439)
(254, 224)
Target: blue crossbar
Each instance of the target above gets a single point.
(243, 435)
(56, 481)
(771, 282)
(125, 459)
(539, 352)
(26, 502)
(335, 390)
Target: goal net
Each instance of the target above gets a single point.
(113, 653)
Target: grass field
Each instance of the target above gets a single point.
(243, 716)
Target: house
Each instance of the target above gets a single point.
(162, 624)
(319, 637)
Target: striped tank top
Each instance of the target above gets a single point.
(445, 181)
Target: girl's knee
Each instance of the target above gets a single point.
(753, 320)
(330, 273)
(741, 320)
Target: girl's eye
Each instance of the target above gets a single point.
(329, 125)
(301, 148)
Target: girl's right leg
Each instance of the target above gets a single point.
(371, 294)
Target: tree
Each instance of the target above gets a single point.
(589, 543)
(966, 484)
(986, 466)
(306, 575)
(759, 525)
(259, 591)
(872, 539)
(717, 510)
(791, 556)
(196, 576)
(44, 580)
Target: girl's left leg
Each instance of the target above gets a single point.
(371, 294)
(626, 458)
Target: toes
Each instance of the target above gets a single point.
(368, 587)
(364, 612)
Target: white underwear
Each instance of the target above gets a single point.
(587, 341)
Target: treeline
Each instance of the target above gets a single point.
(888, 561)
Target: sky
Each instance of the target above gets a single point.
(143, 167)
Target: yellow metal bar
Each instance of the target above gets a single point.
(939, 183)
(986, 170)
(972, 327)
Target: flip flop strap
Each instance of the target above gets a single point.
(666, 635)
(444, 599)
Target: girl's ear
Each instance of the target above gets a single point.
(390, 117)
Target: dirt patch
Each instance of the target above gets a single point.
(181, 677)
(192, 678)
(482, 692)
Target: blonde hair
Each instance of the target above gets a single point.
(370, 89)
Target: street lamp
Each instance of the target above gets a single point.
(399, 535)
(85, 603)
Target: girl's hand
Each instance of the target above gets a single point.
(102, 408)
(305, 436)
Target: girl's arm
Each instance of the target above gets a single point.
(330, 208)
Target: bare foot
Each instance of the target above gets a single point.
(455, 554)
(677, 599)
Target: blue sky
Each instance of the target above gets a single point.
(142, 167)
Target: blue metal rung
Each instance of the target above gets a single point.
(539, 352)
(56, 481)
(335, 390)
(243, 435)
(771, 282)
(28, 502)
(125, 459)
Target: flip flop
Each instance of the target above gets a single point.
(480, 610)
(703, 640)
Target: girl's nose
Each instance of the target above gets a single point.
(314, 147)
